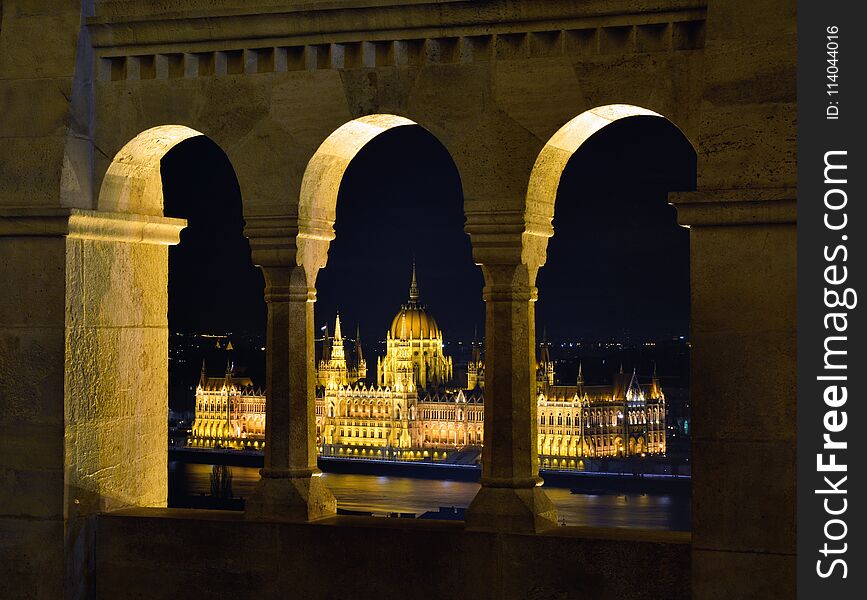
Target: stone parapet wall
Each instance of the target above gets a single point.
(146, 554)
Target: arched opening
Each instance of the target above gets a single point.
(614, 289)
(216, 308)
(399, 271)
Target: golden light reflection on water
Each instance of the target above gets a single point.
(381, 495)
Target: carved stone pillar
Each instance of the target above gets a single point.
(290, 486)
(510, 498)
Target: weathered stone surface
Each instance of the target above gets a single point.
(525, 510)
(16, 96)
(147, 555)
(39, 42)
(31, 558)
(735, 473)
(114, 284)
(291, 498)
(715, 574)
(30, 170)
(32, 268)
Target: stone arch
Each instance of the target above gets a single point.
(132, 183)
(550, 164)
(320, 185)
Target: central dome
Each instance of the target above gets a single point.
(412, 321)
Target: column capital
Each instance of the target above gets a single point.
(723, 207)
(508, 237)
(272, 239)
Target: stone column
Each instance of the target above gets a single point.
(510, 498)
(290, 486)
(743, 390)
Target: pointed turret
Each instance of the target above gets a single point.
(203, 378)
(545, 366)
(360, 363)
(544, 353)
(633, 391)
(655, 388)
(338, 334)
(477, 350)
(230, 372)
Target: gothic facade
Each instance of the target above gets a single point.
(230, 413)
(414, 410)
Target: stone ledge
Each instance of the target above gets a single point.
(89, 225)
(735, 207)
(574, 532)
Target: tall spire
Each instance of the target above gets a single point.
(580, 374)
(203, 378)
(544, 353)
(358, 355)
(413, 288)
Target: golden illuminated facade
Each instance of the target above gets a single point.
(414, 343)
(230, 413)
(580, 421)
(333, 369)
(414, 408)
(414, 411)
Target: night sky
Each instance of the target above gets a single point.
(618, 265)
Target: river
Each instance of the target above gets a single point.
(381, 495)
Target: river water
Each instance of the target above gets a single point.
(381, 495)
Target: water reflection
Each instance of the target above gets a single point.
(382, 495)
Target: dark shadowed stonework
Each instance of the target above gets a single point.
(360, 557)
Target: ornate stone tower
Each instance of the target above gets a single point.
(414, 347)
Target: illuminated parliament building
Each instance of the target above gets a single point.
(412, 409)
